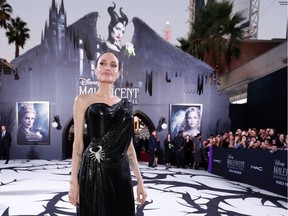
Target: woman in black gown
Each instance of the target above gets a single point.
(100, 180)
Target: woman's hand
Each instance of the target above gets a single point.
(141, 194)
(74, 194)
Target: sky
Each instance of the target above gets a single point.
(272, 18)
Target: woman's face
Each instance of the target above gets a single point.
(107, 69)
(244, 138)
(253, 140)
(28, 120)
(258, 142)
(271, 132)
(266, 142)
(193, 119)
(118, 31)
(281, 137)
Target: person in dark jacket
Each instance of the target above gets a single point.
(6, 140)
(169, 150)
(179, 150)
(152, 148)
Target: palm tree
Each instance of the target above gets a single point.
(216, 35)
(17, 33)
(5, 13)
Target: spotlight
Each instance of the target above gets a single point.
(162, 124)
(56, 123)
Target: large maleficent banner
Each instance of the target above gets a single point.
(73, 50)
(140, 59)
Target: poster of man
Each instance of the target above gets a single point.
(186, 117)
(33, 123)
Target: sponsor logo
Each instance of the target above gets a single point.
(88, 81)
(257, 168)
(280, 170)
(217, 161)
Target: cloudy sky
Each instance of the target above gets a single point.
(272, 18)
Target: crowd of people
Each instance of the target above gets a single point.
(186, 151)
(252, 138)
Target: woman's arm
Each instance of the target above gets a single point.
(141, 192)
(78, 114)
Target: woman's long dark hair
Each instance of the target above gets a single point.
(115, 19)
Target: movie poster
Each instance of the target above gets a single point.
(185, 117)
(33, 123)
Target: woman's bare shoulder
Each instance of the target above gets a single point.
(82, 101)
(85, 100)
(82, 97)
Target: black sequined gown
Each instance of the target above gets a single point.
(104, 173)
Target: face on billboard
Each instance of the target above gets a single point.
(118, 31)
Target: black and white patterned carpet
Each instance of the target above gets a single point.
(40, 187)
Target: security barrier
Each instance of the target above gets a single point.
(257, 167)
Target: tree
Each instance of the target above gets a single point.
(17, 33)
(5, 13)
(216, 34)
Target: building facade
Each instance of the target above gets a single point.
(160, 80)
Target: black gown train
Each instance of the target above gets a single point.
(104, 172)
